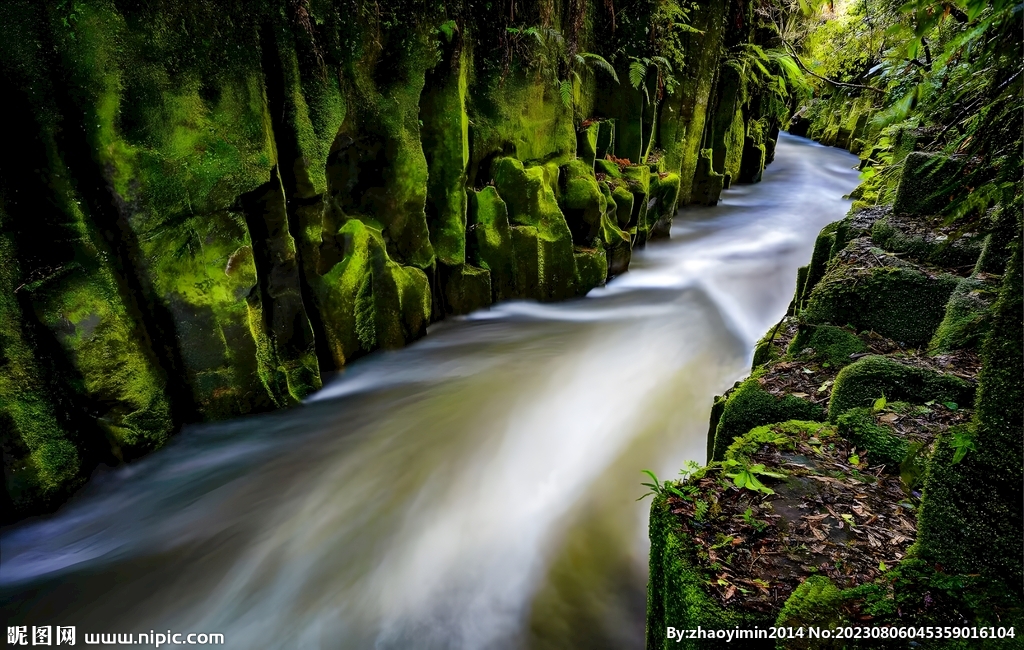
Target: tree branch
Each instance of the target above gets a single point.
(841, 84)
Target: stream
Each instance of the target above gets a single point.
(477, 489)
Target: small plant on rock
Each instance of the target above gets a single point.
(746, 476)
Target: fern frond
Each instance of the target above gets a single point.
(565, 92)
(598, 62)
(637, 74)
(662, 63)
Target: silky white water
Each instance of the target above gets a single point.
(475, 490)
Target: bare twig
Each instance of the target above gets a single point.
(841, 84)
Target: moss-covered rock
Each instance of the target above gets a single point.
(581, 201)
(968, 317)
(815, 603)
(900, 302)
(684, 112)
(871, 377)
(749, 405)
(925, 244)
(971, 520)
(831, 345)
(586, 143)
(926, 183)
(491, 241)
(368, 300)
(677, 594)
(860, 427)
(823, 247)
(592, 266)
(445, 138)
(707, 183)
(664, 194)
(618, 246)
(528, 193)
(780, 435)
(624, 200)
(466, 289)
(42, 462)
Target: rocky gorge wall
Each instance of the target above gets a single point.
(207, 204)
(867, 473)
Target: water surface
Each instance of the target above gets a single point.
(474, 490)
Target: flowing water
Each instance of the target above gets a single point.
(475, 490)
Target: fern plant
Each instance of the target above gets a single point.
(567, 69)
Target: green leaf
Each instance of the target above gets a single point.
(598, 62)
(565, 92)
(637, 73)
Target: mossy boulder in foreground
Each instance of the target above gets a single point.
(872, 377)
(901, 303)
(749, 405)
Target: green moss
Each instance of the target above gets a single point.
(779, 434)
(638, 182)
(370, 301)
(491, 241)
(284, 335)
(971, 519)
(750, 405)
(967, 320)
(624, 200)
(796, 305)
(378, 171)
(515, 115)
(733, 142)
(101, 341)
(605, 138)
(882, 444)
(830, 344)
(766, 349)
(867, 379)
(919, 593)
(684, 111)
(529, 258)
(528, 193)
(617, 244)
(677, 594)
(467, 289)
(717, 407)
(823, 247)
(707, 183)
(581, 201)
(592, 265)
(445, 137)
(607, 168)
(815, 603)
(41, 462)
(900, 303)
(664, 194)
(942, 251)
(586, 143)
(926, 183)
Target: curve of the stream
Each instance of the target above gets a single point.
(475, 490)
